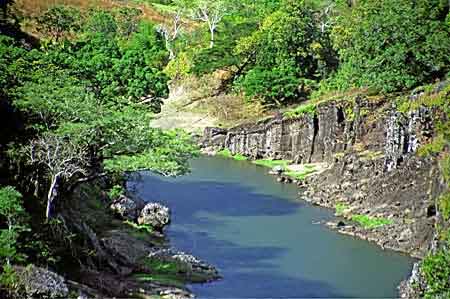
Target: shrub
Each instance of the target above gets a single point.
(436, 270)
(115, 192)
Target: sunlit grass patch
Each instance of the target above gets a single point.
(228, 154)
(340, 208)
(370, 222)
(272, 163)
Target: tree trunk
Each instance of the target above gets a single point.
(53, 193)
(211, 43)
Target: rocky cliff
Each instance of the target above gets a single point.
(373, 167)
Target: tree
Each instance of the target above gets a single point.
(210, 12)
(127, 19)
(63, 160)
(287, 56)
(171, 31)
(392, 45)
(58, 20)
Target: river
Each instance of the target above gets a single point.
(264, 241)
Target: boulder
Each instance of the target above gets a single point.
(41, 283)
(155, 215)
(187, 265)
(125, 207)
(277, 170)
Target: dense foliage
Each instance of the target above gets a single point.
(392, 45)
(281, 51)
(86, 98)
(289, 53)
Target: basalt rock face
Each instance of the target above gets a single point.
(308, 138)
(373, 168)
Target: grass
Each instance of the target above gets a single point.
(272, 163)
(226, 153)
(169, 279)
(340, 208)
(239, 157)
(144, 227)
(301, 174)
(370, 222)
(371, 155)
(305, 109)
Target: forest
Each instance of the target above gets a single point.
(80, 85)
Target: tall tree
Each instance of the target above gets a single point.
(210, 12)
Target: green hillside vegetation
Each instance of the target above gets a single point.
(82, 83)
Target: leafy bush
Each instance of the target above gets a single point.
(115, 192)
(274, 86)
(60, 20)
(12, 210)
(179, 67)
(436, 270)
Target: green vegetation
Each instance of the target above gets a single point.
(444, 205)
(305, 109)
(12, 210)
(226, 153)
(281, 51)
(140, 227)
(115, 192)
(340, 208)
(272, 163)
(169, 279)
(290, 53)
(370, 222)
(83, 101)
(239, 157)
(391, 45)
(436, 270)
(301, 174)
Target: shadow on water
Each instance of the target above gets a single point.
(262, 241)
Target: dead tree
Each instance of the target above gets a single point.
(171, 32)
(212, 13)
(64, 161)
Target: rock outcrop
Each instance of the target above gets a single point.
(125, 207)
(117, 256)
(197, 270)
(155, 215)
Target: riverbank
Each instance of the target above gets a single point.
(376, 180)
(115, 248)
(256, 231)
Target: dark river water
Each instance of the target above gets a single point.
(264, 241)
